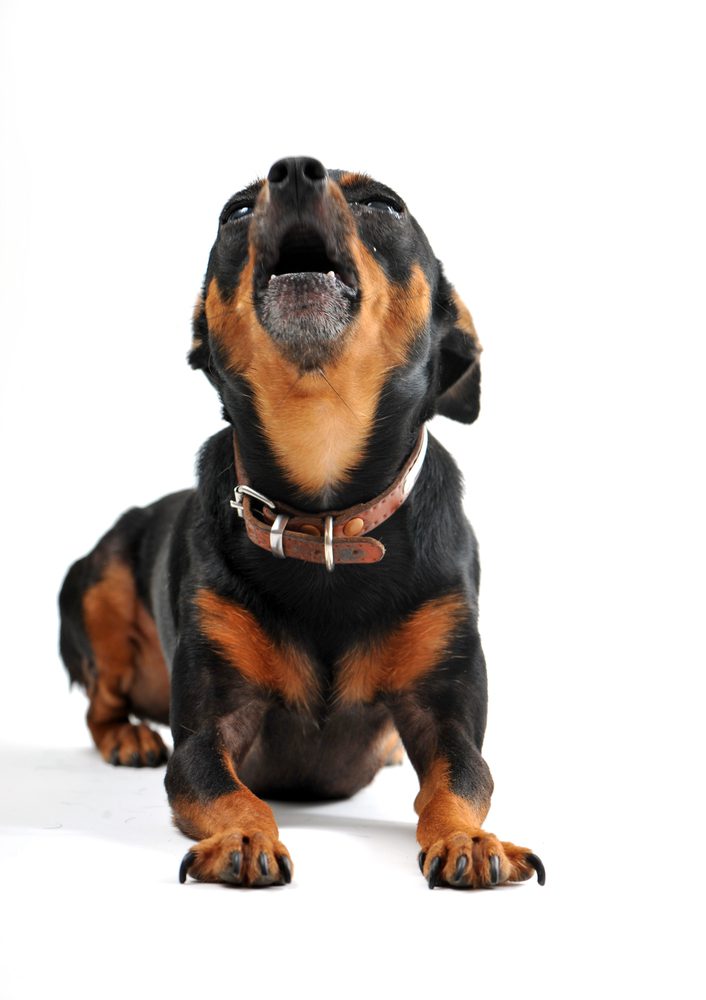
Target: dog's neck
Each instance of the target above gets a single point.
(284, 477)
(341, 536)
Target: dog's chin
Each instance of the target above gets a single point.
(307, 315)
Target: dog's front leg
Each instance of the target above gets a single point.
(441, 719)
(238, 839)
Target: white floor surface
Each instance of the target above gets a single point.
(92, 906)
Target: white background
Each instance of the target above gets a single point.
(554, 154)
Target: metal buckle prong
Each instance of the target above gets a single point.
(238, 502)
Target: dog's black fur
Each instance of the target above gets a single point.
(146, 596)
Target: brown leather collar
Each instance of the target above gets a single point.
(328, 537)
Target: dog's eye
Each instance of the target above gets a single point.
(240, 212)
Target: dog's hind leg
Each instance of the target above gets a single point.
(103, 643)
(391, 748)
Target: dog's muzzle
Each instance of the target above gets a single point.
(305, 285)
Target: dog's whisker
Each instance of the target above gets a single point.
(330, 384)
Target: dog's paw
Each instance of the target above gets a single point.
(477, 860)
(133, 746)
(237, 859)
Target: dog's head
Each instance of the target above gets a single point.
(322, 290)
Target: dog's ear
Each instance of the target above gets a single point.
(200, 353)
(458, 379)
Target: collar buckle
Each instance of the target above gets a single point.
(241, 489)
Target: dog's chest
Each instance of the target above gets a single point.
(356, 670)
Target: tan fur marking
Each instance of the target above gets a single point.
(239, 810)
(109, 610)
(351, 178)
(465, 321)
(130, 672)
(390, 746)
(402, 657)
(318, 431)
(442, 812)
(243, 642)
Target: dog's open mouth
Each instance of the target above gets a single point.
(306, 297)
(304, 252)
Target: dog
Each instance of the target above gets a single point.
(310, 608)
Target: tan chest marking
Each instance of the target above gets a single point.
(402, 657)
(241, 640)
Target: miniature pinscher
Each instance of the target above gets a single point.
(309, 608)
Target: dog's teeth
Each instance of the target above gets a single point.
(272, 277)
(331, 275)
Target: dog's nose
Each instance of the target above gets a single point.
(296, 177)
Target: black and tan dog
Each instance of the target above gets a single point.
(316, 594)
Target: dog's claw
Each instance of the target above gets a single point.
(434, 870)
(461, 866)
(494, 869)
(115, 757)
(421, 858)
(536, 863)
(135, 760)
(151, 758)
(262, 861)
(235, 862)
(186, 863)
(285, 866)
